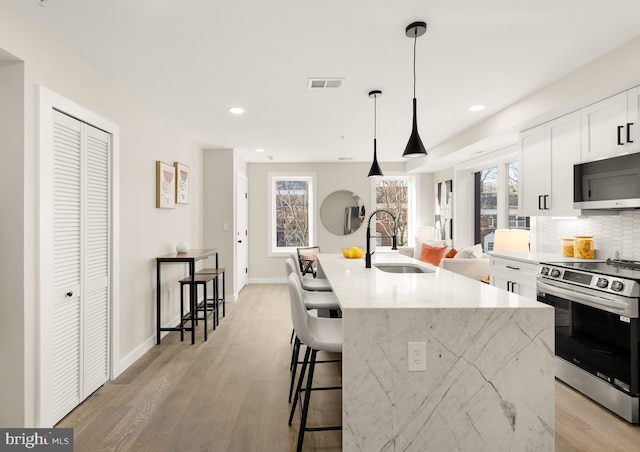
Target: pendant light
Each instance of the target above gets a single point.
(415, 148)
(375, 168)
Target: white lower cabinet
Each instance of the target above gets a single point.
(514, 275)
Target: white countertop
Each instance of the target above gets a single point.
(357, 287)
(536, 258)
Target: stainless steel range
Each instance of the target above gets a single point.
(596, 341)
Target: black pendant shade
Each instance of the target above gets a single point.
(375, 168)
(415, 148)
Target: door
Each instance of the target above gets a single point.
(632, 137)
(534, 167)
(564, 149)
(600, 128)
(242, 232)
(75, 263)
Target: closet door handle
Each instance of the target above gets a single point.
(70, 294)
(620, 143)
(629, 140)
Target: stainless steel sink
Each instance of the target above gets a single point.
(402, 268)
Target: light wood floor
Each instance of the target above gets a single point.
(230, 394)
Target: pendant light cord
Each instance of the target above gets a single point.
(375, 114)
(415, 41)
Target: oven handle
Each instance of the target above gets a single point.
(617, 307)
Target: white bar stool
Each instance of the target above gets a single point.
(318, 334)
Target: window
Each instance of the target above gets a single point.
(515, 221)
(397, 195)
(496, 202)
(486, 206)
(292, 203)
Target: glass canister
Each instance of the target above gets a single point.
(583, 247)
(567, 246)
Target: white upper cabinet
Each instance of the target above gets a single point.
(633, 116)
(547, 154)
(533, 168)
(609, 126)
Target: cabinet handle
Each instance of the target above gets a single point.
(512, 268)
(629, 140)
(70, 294)
(513, 286)
(546, 198)
(508, 286)
(540, 202)
(620, 143)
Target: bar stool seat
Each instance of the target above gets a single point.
(194, 306)
(313, 284)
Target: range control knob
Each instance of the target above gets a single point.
(544, 271)
(555, 273)
(617, 286)
(602, 283)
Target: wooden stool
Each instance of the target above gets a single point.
(215, 272)
(194, 306)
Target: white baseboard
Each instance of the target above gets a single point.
(140, 350)
(267, 280)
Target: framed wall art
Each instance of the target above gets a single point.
(165, 185)
(182, 183)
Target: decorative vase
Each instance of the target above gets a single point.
(182, 247)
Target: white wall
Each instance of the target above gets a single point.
(330, 177)
(220, 167)
(12, 268)
(145, 232)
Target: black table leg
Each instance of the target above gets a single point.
(158, 303)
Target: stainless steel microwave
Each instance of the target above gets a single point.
(612, 183)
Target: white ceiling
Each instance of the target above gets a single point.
(192, 60)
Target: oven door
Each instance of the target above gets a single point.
(603, 342)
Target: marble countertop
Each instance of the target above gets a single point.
(536, 258)
(357, 287)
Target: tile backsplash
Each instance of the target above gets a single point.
(612, 233)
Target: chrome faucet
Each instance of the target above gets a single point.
(394, 245)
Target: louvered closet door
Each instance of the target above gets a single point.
(96, 259)
(81, 232)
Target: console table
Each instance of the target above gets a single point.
(190, 258)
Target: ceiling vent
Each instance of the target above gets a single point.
(318, 83)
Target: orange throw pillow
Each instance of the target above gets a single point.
(432, 254)
(451, 253)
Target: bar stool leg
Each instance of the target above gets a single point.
(307, 396)
(181, 313)
(224, 296)
(205, 310)
(294, 365)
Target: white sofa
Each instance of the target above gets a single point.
(472, 267)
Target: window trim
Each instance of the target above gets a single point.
(464, 181)
(272, 177)
(412, 207)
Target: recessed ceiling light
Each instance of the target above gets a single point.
(236, 110)
(259, 150)
(476, 107)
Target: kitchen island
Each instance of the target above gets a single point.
(489, 379)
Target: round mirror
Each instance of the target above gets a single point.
(342, 212)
